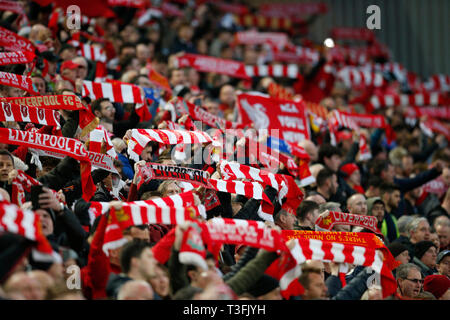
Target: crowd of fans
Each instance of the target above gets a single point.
(397, 184)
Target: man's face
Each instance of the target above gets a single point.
(147, 264)
(142, 52)
(147, 153)
(177, 78)
(358, 205)
(316, 289)
(394, 199)
(289, 221)
(333, 163)
(355, 178)
(212, 107)
(314, 214)
(444, 266)
(333, 184)
(82, 69)
(140, 233)
(39, 83)
(227, 95)
(388, 174)
(422, 233)
(160, 282)
(6, 165)
(378, 211)
(411, 286)
(443, 233)
(403, 257)
(107, 110)
(46, 222)
(407, 164)
(429, 257)
(204, 278)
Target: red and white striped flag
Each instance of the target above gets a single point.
(92, 52)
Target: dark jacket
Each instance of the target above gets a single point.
(69, 232)
(68, 169)
(408, 244)
(355, 288)
(426, 271)
(115, 281)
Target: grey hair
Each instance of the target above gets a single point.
(331, 206)
(403, 222)
(414, 224)
(403, 270)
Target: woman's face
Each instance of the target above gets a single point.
(160, 282)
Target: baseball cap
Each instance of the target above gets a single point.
(442, 255)
(69, 64)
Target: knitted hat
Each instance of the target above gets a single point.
(371, 202)
(436, 284)
(421, 247)
(264, 285)
(349, 168)
(396, 248)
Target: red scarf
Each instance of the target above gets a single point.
(67, 146)
(341, 218)
(17, 81)
(13, 42)
(211, 64)
(17, 57)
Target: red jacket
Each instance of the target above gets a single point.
(95, 274)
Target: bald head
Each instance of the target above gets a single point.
(310, 148)
(135, 290)
(317, 198)
(357, 204)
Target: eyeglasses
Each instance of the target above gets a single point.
(416, 281)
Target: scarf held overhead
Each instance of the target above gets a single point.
(67, 146)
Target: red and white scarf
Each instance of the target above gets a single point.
(292, 9)
(117, 91)
(185, 199)
(100, 136)
(276, 39)
(131, 215)
(310, 249)
(442, 112)
(274, 23)
(418, 99)
(90, 52)
(211, 64)
(352, 33)
(290, 71)
(17, 81)
(354, 77)
(21, 184)
(141, 137)
(434, 125)
(301, 55)
(87, 120)
(67, 146)
(341, 218)
(438, 82)
(27, 224)
(200, 114)
(17, 57)
(239, 231)
(20, 113)
(11, 41)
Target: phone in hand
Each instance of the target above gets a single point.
(35, 192)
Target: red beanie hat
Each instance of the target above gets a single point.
(436, 284)
(349, 168)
